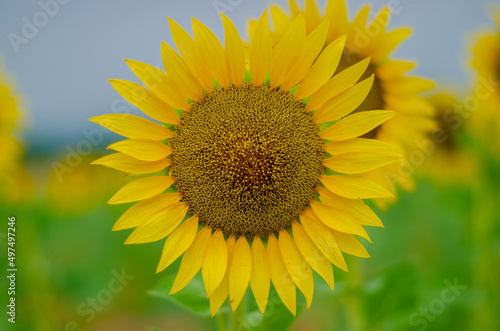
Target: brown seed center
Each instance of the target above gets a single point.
(247, 159)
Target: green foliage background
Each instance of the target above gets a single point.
(440, 234)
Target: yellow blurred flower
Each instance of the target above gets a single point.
(247, 159)
(15, 183)
(80, 189)
(392, 88)
(449, 161)
(484, 123)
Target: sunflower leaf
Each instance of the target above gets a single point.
(276, 316)
(192, 297)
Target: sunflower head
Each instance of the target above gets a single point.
(260, 157)
(247, 159)
(486, 51)
(484, 122)
(15, 184)
(369, 42)
(450, 161)
(71, 193)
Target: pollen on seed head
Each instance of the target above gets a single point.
(247, 159)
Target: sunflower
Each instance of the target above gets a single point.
(449, 161)
(249, 199)
(484, 123)
(392, 89)
(14, 182)
(63, 199)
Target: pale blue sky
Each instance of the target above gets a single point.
(64, 66)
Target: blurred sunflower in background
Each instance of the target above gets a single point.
(485, 120)
(15, 184)
(450, 159)
(259, 187)
(64, 199)
(392, 88)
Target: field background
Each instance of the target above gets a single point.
(75, 273)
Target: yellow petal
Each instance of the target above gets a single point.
(362, 145)
(178, 71)
(220, 294)
(191, 54)
(297, 266)
(323, 238)
(390, 42)
(279, 275)
(393, 69)
(419, 126)
(356, 207)
(235, 55)
(260, 277)
(192, 260)
(132, 126)
(338, 219)
(281, 22)
(337, 10)
(287, 50)
(261, 51)
(142, 149)
(141, 189)
(409, 105)
(354, 187)
(338, 84)
(312, 46)
(322, 70)
(349, 244)
(356, 124)
(344, 103)
(355, 163)
(312, 254)
(294, 8)
(312, 15)
(128, 164)
(145, 100)
(251, 26)
(178, 242)
(159, 83)
(160, 225)
(215, 264)
(142, 211)
(239, 274)
(403, 86)
(212, 51)
(382, 18)
(361, 17)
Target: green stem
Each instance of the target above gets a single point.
(355, 314)
(238, 320)
(221, 318)
(485, 202)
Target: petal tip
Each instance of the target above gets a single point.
(113, 201)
